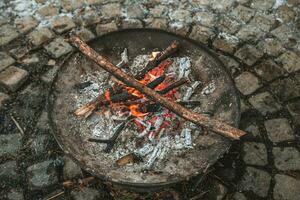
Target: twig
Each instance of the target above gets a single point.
(17, 124)
(197, 118)
(56, 195)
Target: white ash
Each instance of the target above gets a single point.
(102, 124)
(191, 90)
(210, 88)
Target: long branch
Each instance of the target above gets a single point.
(197, 118)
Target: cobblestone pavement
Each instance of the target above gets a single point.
(258, 40)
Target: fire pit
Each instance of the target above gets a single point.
(153, 147)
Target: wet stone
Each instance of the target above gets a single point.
(102, 29)
(86, 193)
(201, 33)
(286, 187)
(62, 24)
(263, 21)
(85, 34)
(294, 110)
(250, 33)
(290, 61)
(40, 35)
(7, 34)
(265, 103)
(71, 170)
(269, 70)
(255, 154)
(286, 158)
(158, 11)
(226, 42)
(48, 10)
(243, 13)
(111, 10)
(287, 88)
(157, 23)
(3, 98)
(249, 54)
(228, 24)
(26, 24)
(247, 83)
(271, 46)
(6, 61)
(41, 175)
(205, 18)
(8, 173)
(255, 180)
(279, 130)
(131, 23)
(13, 77)
(263, 4)
(180, 15)
(58, 47)
(15, 194)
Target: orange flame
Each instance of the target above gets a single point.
(134, 109)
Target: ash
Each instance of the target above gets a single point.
(154, 150)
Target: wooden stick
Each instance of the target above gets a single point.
(197, 118)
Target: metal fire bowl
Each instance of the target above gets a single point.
(223, 103)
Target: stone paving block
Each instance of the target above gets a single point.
(106, 28)
(158, 11)
(247, 83)
(71, 170)
(269, 70)
(5, 61)
(62, 24)
(180, 15)
(265, 103)
(85, 34)
(255, 180)
(286, 13)
(271, 46)
(239, 196)
(7, 34)
(263, 4)
(111, 10)
(132, 23)
(26, 24)
(226, 42)
(3, 98)
(286, 187)
(15, 194)
(86, 193)
(253, 130)
(30, 59)
(255, 154)
(250, 33)
(89, 17)
(221, 5)
(229, 24)
(286, 158)
(48, 10)
(178, 28)
(8, 173)
(40, 35)
(157, 23)
(290, 61)
(205, 18)
(287, 88)
(13, 77)
(243, 13)
(294, 110)
(263, 21)
(249, 54)
(41, 175)
(70, 5)
(58, 47)
(286, 34)
(279, 130)
(135, 11)
(10, 144)
(201, 33)
(48, 76)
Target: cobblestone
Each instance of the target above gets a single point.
(201, 33)
(228, 24)
(248, 54)
(41, 175)
(106, 28)
(250, 33)
(13, 77)
(263, 21)
(6, 61)
(85, 34)
(247, 83)
(265, 103)
(255, 154)
(205, 18)
(7, 34)
(181, 15)
(286, 13)
(269, 70)
(58, 47)
(62, 24)
(71, 5)
(286, 158)
(263, 4)
(290, 61)
(40, 35)
(158, 11)
(294, 109)
(271, 46)
(243, 13)
(131, 23)
(26, 24)
(3, 98)
(286, 187)
(279, 130)
(157, 23)
(225, 42)
(111, 10)
(47, 11)
(287, 88)
(255, 180)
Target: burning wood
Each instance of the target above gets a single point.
(138, 88)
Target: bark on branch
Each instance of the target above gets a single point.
(197, 118)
